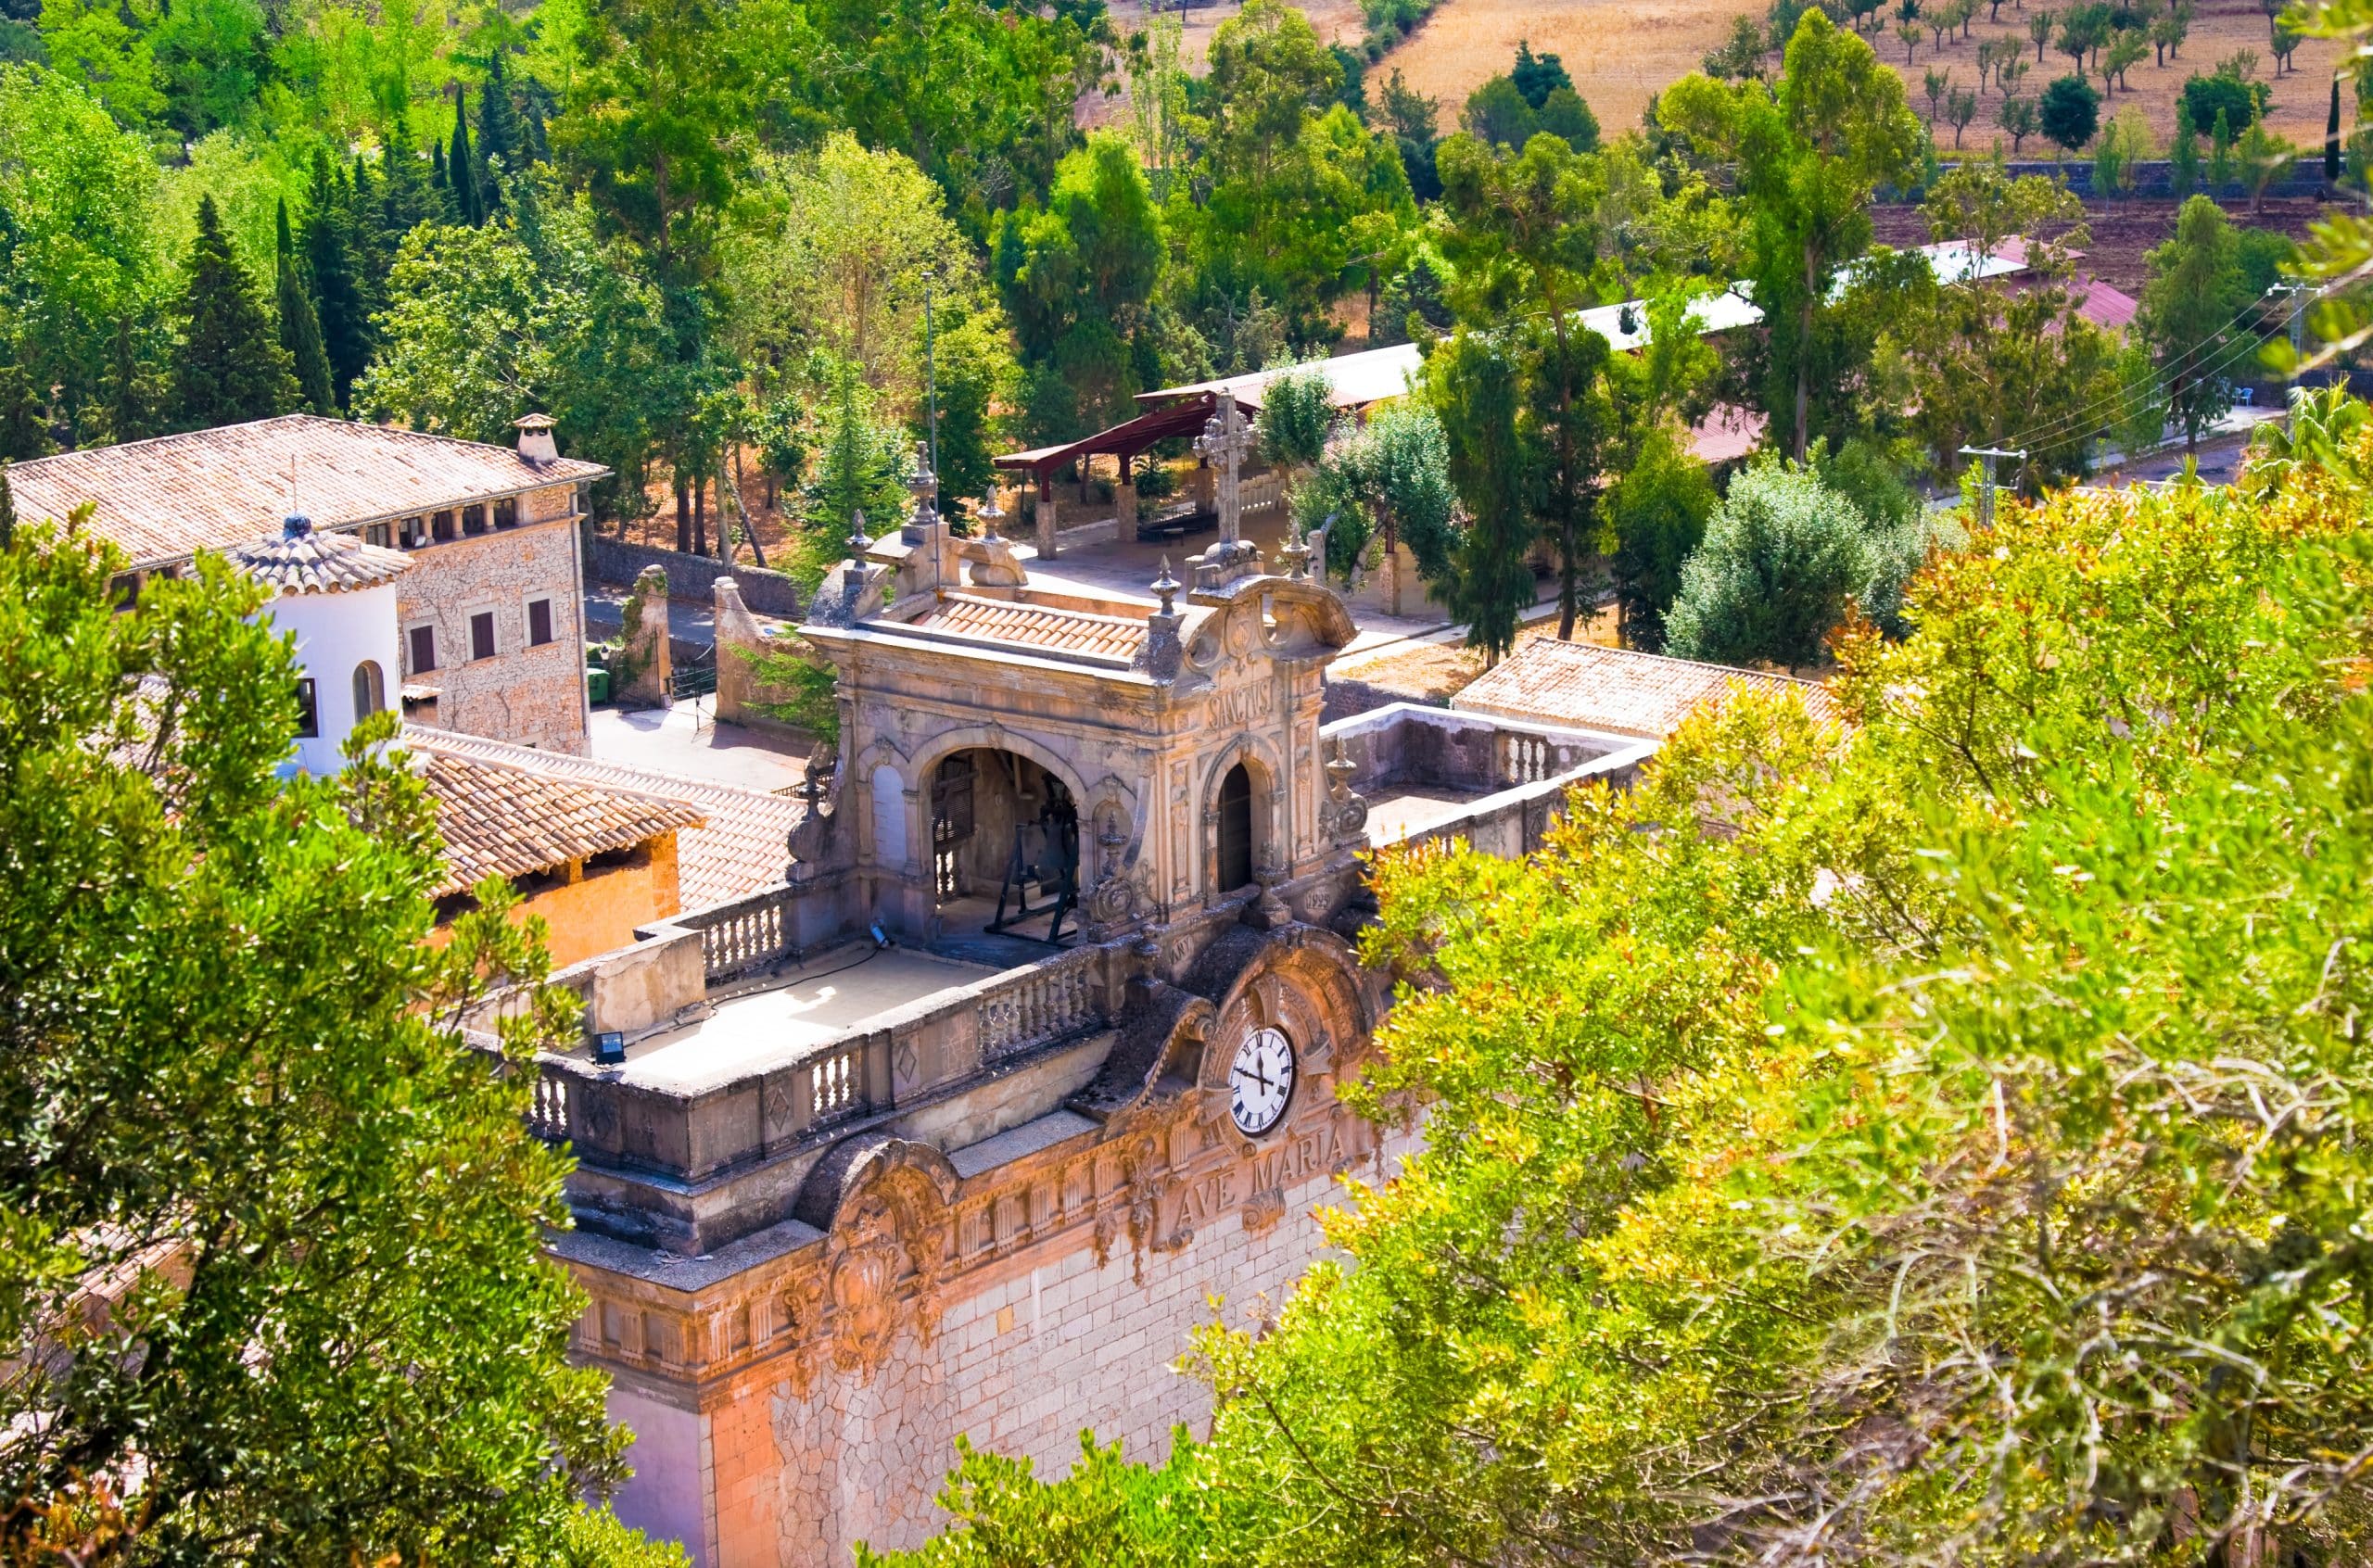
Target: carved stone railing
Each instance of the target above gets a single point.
(547, 1113)
(1528, 758)
(1059, 997)
(746, 934)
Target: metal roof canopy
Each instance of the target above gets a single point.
(1124, 440)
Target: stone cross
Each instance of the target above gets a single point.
(1225, 443)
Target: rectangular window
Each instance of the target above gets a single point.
(127, 590)
(414, 532)
(309, 712)
(424, 649)
(506, 512)
(443, 528)
(482, 635)
(377, 534)
(474, 520)
(539, 622)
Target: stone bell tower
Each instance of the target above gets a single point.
(1182, 738)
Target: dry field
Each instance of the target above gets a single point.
(1335, 21)
(1622, 52)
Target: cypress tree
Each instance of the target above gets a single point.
(7, 509)
(300, 329)
(2332, 136)
(502, 138)
(231, 366)
(135, 391)
(329, 266)
(460, 168)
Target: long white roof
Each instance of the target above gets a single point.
(1356, 380)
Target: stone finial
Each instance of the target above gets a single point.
(990, 515)
(1166, 589)
(923, 485)
(1297, 555)
(858, 543)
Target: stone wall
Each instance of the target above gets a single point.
(694, 576)
(1079, 1329)
(531, 695)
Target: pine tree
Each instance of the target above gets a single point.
(229, 366)
(300, 329)
(501, 137)
(329, 268)
(460, 168)
(135, 391)
(24, 423)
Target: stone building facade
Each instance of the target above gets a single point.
(491, 614)
(960, 1129)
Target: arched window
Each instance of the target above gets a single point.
(370, 689)
(1236, 829)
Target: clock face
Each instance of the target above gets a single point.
(1260, 1084)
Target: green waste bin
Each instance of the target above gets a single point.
(597, 684)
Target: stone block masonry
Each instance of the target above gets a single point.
(484, 600)
(1083, 1329)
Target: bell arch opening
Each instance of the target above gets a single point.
(1004, 847)
(1234, 866)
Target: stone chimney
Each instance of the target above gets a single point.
(535, 437)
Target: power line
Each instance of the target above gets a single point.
(2228, 355)
(2164, 376)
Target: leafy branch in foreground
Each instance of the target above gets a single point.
(1940, 1138)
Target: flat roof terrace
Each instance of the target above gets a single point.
(782, 1016)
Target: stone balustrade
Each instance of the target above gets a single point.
(745, 934)
(1047, 1001)
(785, 1105)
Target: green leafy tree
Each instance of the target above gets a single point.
(2239, 101)
(135, 395)
(1386, 487)
(2189, 316)
(1475, 386)
(2069, 112)
(652, 117)
(1517, 232)
(1819, 1057)
(1297, 414)
(229, 366)
(1983, 363)
(1078, 276)
(244, 1124)
(2183, 155)
(83, 250)
(1660, 507)
(1811, 152)
(1783, 558)
(104, 46)
(1298, 187)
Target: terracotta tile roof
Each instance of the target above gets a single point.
(741, 849)
(1588, 686)
(210, 489)
(1035, 625)
(506, 818)
(299, 560)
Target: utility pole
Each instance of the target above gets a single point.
(2298, 291)
(1985, 455)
